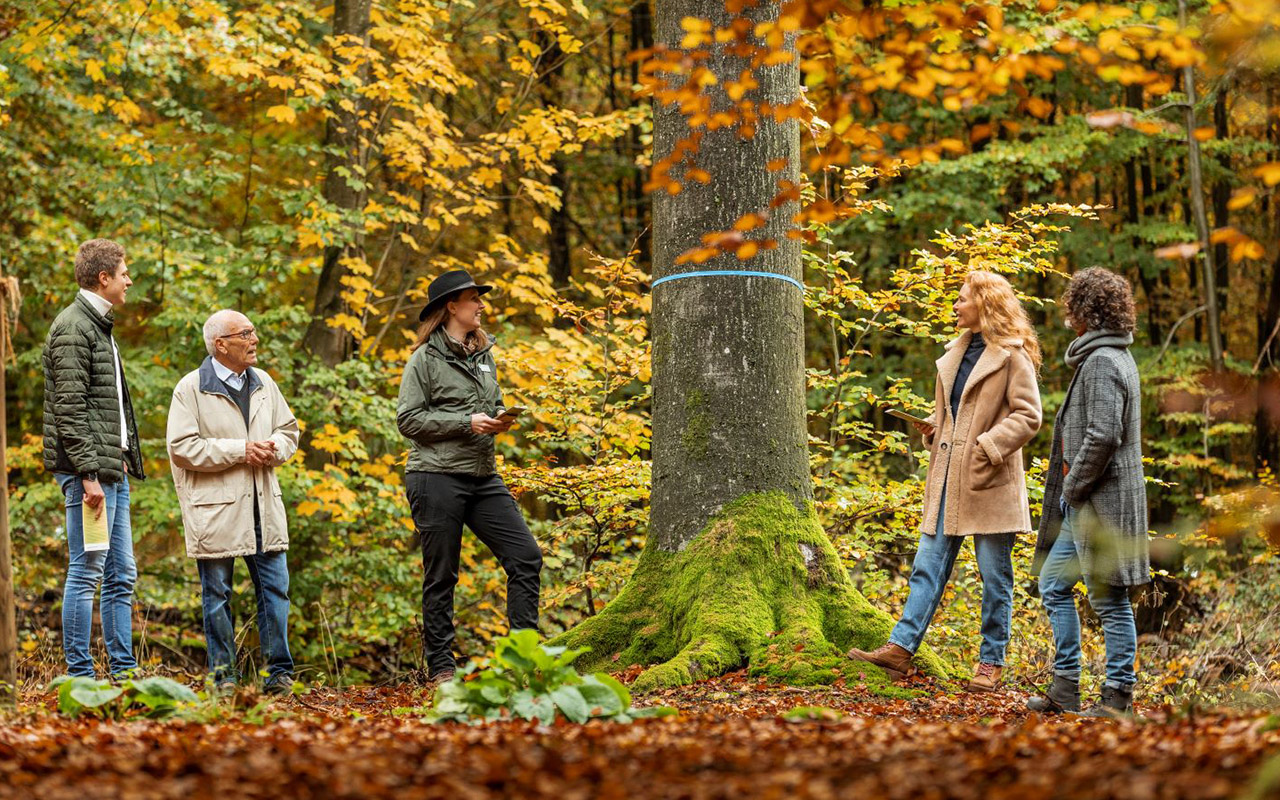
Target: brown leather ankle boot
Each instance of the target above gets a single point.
(986, 678)
(891, 658)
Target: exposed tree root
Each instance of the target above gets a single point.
(761, 586)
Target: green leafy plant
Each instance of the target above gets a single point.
(529, 680)
(801, 714)
(157, 697)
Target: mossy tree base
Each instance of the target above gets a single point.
(761, 585)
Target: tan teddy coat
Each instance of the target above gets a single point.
(979, 453)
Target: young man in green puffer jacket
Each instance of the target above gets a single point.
(91, 446)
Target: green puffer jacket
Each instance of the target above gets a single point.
(81, 407)
(439, 392)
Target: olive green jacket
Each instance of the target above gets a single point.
(81, 405)
(439, 392)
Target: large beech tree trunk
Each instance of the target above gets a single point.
(736, 569)
(728, 351)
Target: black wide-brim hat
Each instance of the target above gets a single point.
(447, 285)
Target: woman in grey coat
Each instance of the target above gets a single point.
(1093, 525)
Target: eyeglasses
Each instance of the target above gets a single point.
(245, 334)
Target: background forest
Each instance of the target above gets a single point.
(316, 165)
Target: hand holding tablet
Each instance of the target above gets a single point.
(924, 426)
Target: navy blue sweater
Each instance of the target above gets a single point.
(971, 355)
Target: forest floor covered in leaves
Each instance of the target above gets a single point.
(733, 738)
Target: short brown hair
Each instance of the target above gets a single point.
(95, 257)
(1101, 299)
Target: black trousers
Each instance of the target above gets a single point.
(441, 504)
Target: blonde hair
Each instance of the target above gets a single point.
(1001, 314)
(437, 318)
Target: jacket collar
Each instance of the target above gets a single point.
(437, 345)
(210, 383)
(992, 359)
(104, 321)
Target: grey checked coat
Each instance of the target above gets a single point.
(1098, 433)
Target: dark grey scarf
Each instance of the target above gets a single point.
(1080, 349)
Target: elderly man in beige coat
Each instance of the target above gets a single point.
(229, 428)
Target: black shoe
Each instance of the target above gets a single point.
(1115, 703)
(443, 676)
(1063, 695)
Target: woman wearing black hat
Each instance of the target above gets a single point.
(450, 407)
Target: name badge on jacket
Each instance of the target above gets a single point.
(485, 368)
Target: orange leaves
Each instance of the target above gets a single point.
(1039, 107)
(739, 88)
(1269, 173)
(1127, 119)
(732, 241)
(1240, 246)
(697, 32)
(1241, 198)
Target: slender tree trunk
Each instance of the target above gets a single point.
(559, 249)
(1198, 212)
(343, 182)
(1134, 215)
(638, 205)
(1267, 417)
(1221, 213)
(8, 607)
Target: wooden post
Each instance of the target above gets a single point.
(8, 609)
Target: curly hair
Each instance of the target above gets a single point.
(95, 257)
(1101, 299)
(1002, 315)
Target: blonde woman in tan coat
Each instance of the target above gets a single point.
(987, 407)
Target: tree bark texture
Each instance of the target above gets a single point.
(345, 147)
(728, 351)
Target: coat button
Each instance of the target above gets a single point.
(944, 445)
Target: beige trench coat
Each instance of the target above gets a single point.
(979, 453)
(216, 487)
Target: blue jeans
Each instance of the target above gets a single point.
(270, 574)
(1058, 577)
(929, 574)
(114, 569)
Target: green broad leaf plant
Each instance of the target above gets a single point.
(154, 697)
(528, 680)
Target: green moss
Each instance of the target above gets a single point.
(697, 426)
(760, 586)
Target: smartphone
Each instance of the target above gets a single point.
(511, 413)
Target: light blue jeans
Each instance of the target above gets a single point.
(114, 569)
(934, 560)
(1058, 577)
